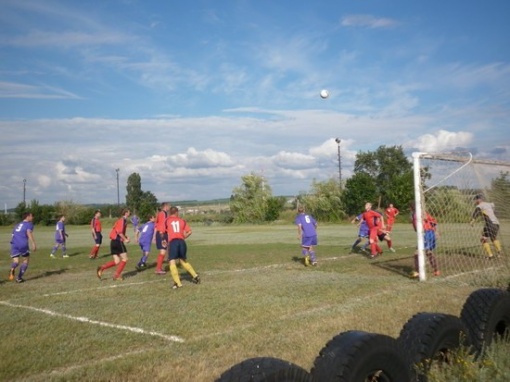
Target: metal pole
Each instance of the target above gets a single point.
(24, 190)
(338, 141)
(118, 192)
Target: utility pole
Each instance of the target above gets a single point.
(338, 141)
(24, 191)
(118, 191)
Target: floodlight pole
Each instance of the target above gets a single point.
(118, 192)
(338, 141)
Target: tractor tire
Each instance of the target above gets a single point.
(486, 314)
(357, 356)
(429, 338)
(265, 369)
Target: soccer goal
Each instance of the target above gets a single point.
(446, 186)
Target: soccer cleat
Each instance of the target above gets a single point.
(19, 281)
(138, 268)
(392, 249)
(11, 275)
(52, 255)
(120, 278)
(99, 272)
(65, 256)
(437, 273)
(196, 279)
(414, 275)
(160, 272)
(176, 286)
(314, 263)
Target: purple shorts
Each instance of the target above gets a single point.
(308, 241)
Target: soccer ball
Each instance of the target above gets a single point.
(324, 94)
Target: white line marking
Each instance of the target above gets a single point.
(100, 323)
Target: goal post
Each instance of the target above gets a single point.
(445, 186)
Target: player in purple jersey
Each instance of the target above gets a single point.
(22, 236)
(363, 233)
(144, 237)
(307, 233)
(135, 221)
(60, 237)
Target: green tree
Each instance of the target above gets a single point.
(392, 173)
(324, 201)
(148, 205)
(359, 189)
(248, 202)
(275, 204)
(134, 192)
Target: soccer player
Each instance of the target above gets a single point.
(143, 237)
(118, 240)
(491, 227)
(363, 233)
(374, 222)
(429, 241)
(390, 213)
(161, 236)
(22, 237)
(60, 237)
(178, 231)
(307, 233)
(135, 221)
(97, 235)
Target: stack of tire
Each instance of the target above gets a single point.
(425, 339)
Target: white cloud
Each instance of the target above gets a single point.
(368, 21)
(441, 141)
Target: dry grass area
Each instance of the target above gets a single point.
(256, 299)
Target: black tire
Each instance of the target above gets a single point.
(357, 356)
(486, 314)
(429, 338)
(265, 369)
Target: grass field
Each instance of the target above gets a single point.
(256, 299)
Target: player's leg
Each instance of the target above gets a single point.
(64, 249)
(305, 252)
(23, 268)
(121, 261)
(14, 265)
(313, 242)
(485, 241)
(494, 230)
(173, 255)
(430, 245)
(162, 253)
(183, 251)
(115, 250)
(355, 244)
(53, 250)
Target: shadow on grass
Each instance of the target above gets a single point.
(48, 274)
(402, 266)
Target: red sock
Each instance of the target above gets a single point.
(378, 249)
(95, 251)
(120, 268)
(109, 264)
(389, 243)
(373, 249)
(159, 262)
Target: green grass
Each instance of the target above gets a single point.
(256, 299)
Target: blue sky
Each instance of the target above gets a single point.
(194, 95)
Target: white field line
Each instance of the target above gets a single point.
(95, 322)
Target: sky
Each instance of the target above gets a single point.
(194, 95)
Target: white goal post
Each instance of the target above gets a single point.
(445, 186)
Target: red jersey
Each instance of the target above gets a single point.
(160, 221)
(95, 224)
(118, 228)
(177, 228)
(372, 218)
(391, 212)
(429, 223)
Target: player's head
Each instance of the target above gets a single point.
(478, 198)
(301, 209)
(390, 205)
(151, 218)
(174, 210)
(97, 213)
(125, 212)
(28, 216)
(368, 206)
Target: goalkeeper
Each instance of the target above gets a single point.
(429, 241)
(491, 227)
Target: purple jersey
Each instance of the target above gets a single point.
(308, 225)
(60, 226)
(146, 233)
(19, 240)
(363, 227)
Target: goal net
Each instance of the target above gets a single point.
(446, 186)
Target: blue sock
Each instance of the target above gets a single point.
(22, 270)
(144, 259)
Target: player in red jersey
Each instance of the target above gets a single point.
(178, 231)
(375, 225)
(95, 227)
(161, 237)
(118, 240)
(390, 213)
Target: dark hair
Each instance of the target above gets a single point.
(478, 197)
(173, 210)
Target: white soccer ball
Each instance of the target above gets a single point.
(324, 94)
